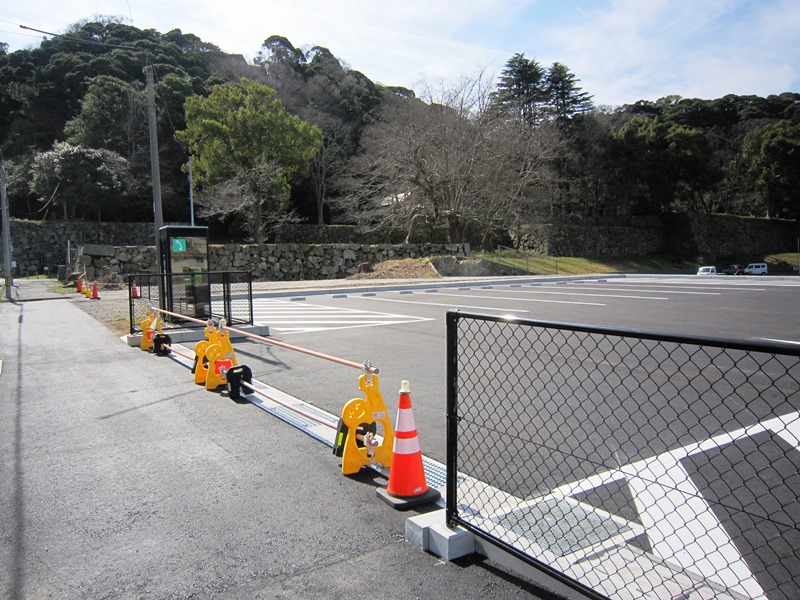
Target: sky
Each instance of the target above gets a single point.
(621, 51)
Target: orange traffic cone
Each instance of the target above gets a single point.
(407, 485)
(95, 295)
(79, 284)
(134, 290)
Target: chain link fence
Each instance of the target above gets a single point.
(628, 464)
(203, 295)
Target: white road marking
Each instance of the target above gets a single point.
(290, 317)
(661, 486)
(575, 287)
(734, 285)
(530, 299)
(683, 528)
(503, 310)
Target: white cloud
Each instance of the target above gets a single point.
(621, 50)
(646, 50)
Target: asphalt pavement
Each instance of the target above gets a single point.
(121, 478)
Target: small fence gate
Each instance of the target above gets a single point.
(202, 295)
(627, 464)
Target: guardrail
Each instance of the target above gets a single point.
(201, 296)
(627, 464)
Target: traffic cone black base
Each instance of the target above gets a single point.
(402, 503)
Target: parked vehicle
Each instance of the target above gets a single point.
(734, 270)
(756, 269)
(707, 271)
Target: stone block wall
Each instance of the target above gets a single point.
(267, 262)
(578, 240)
(682, 235)
(737, 238)
(39, 244)
(304, 233)
(310, 251)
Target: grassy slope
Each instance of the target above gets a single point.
(566, 265)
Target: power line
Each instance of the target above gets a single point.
(81, 40)
(30, 35)
(130, 14)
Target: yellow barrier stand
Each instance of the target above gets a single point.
(356, 440)
(225, 344)
(218, 366)
(200, 368)
(221, 357)
(150, 326)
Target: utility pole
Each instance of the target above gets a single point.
(191, 194)
(6, 230)
(154, 166)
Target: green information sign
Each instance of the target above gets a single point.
(179, 245)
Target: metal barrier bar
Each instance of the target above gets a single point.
(179, 316)
(342, 361)
(178, 352)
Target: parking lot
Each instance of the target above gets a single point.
(402, 331)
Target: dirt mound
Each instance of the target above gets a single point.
(408, 268)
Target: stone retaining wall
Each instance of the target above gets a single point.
(578, 240)
(269, 262)
(680, 235)
(40, 245)
(43, 244)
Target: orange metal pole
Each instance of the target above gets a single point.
(178, 352)
(336, 359)
(180, 316)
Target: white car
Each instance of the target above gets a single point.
(756, 269)
(707, 271)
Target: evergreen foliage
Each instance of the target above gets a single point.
(529, 147)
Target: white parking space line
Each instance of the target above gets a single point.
(551, 293)
(294, 317)
(709, 285)
(670, 504)
(503, 310)
(614, 289)
(682, 527)
(521, 299)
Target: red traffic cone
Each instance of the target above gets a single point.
(134, 290)
(79, 284)
(95, 295)
(407, 485)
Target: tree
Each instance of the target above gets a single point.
(522, 90)
(84, 181)
(773, 156)
(330, 162)
(113, 116)
(68, 81)
(452, 165)
(242, 134)
(564, 98)
(660, 166)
